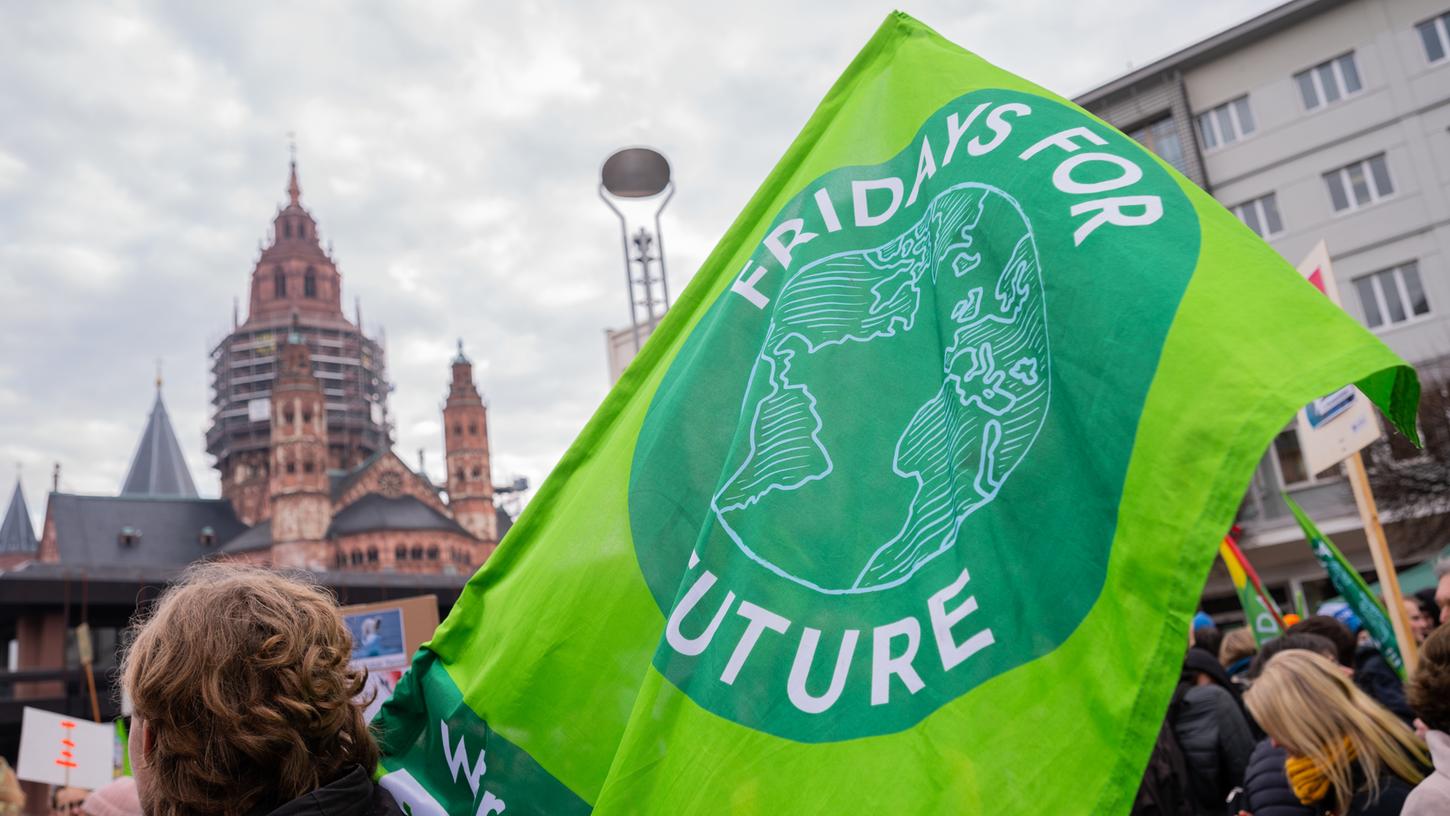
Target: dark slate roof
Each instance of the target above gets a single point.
(158, 468)
(16, 533)
(503, 521)
(88, 529)
(375, 512)
(257, 538)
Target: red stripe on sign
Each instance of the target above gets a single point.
(67, 724)
(68, 743)
(65, 764)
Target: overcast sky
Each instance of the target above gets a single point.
(449, 151)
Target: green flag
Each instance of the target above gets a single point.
(901, 508)
(1350, 584)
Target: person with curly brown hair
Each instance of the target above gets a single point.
(1429, 693)
(244, 702)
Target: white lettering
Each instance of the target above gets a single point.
(490, 805)
(955, 131)
(859, 189)
(1064, 141)
(805, 655)
(458, 760)
(925, 169)
(745, 286)
(1062, 177)
(760, 620)
(883, 665)
(828, 210)
(695, 645)
(796, 228)
(1001, 128)
(1113, 211)
(942, 621)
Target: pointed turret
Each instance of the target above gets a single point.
(16, 533)
(465, 441)
(294, 190)
(158, 468)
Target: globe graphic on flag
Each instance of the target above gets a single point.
(852, 489)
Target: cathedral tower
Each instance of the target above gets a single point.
(299, 489)
(465, 438)
(295, 288)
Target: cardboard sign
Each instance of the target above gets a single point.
(59, 750)
(384, 637)
(1336, 425)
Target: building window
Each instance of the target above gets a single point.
(279, 283)
(357, 557)
(473, 429)
(372, 555)
(1392, 295)
(287, 228)
(477, 472)
(307, 466)
(301, 229)
(129, 536)
(460, 474)
(1360, 184)
(1261, 215)
(309, 283)
(433, 553)
(457, 429)
(1226, 123)
(291, 467)
(340, 560)
(1435, 36)
(1161, 137)
(416, 553)
(400, 553)
(1328, 82)
(207, 537)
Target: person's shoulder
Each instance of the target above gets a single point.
(1429, 798)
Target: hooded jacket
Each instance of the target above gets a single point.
(352, 794)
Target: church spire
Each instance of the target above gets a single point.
(294, 190)
(158, 468)
(16, 533)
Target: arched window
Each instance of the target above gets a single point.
(477, 472)
(432, 553)
(460, 474)
(279, 283)
(457, 429)
(307, 466)
(417, 553)
(400, 553)
(301, 229)
(309, 283)
(287, 228)
(372, 555)
(291, 467)
(357, 557)
(473, 429)
(340, 560)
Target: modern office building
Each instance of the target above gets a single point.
(1321, 120)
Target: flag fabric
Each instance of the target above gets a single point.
(1351, 586)
(901, 508)
(1260, 611)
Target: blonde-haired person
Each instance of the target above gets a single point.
(244, 702)
(1348, 755)
(1429, 693)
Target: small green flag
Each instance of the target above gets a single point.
(902, 507)
(1350, 584)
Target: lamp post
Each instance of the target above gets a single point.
(640, 174)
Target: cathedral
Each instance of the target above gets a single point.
(301, 437)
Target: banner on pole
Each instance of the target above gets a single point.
(1352, 587)
(67, 751)
(1260, 611)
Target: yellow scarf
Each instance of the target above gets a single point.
(1309, 781)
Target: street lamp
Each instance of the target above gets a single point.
(640, 174)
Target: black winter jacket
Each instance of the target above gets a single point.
(1375, 677)
(1216, 743)
(352, 794)
(1266, 786)
(1390, 802)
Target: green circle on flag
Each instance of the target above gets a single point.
(885, 466)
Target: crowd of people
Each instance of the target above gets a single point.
(1315, 722)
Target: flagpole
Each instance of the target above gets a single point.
(1384, 565)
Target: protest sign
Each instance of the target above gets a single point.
(384, 637)
(59, 750)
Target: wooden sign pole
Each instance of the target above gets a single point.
(1384, 565)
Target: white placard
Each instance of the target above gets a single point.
(1336, 425)
(69, 751)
